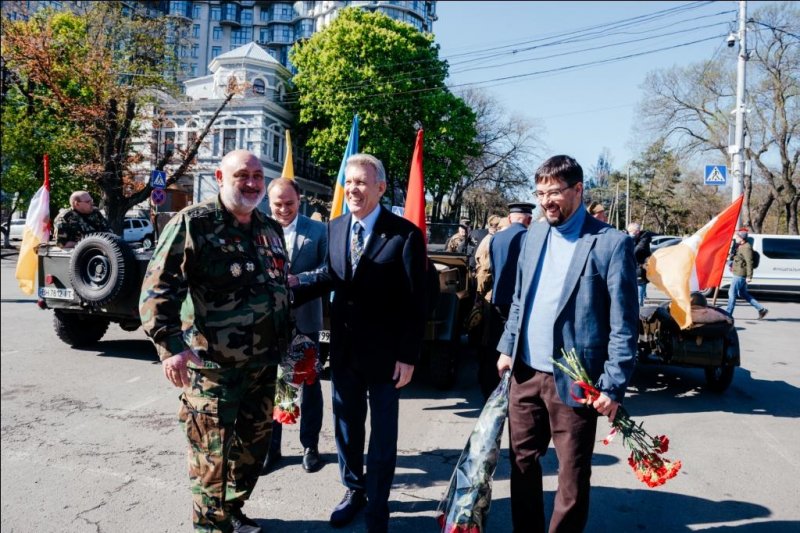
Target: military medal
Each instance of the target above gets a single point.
(250, 266)
(236, 270)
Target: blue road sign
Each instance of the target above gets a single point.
(158, 179)
(716, 175)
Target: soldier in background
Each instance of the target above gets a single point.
(71, 225)
(230, 260)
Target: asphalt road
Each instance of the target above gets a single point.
(90, 441)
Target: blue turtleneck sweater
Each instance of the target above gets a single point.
(548, 283)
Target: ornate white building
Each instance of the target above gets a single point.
(254, 121)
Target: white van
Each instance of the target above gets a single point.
(779, 267)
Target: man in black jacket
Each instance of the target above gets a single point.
(376, 266)
(641, 251)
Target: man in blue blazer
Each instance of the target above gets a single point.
(575, 289)
(376, 267)
(504, 249)
(306, 245)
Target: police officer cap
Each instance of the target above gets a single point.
(521, 207)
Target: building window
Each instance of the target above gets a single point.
(230, 12)
(196, 31)
(276, 147)
(216, 33)
(195, 50)
(216, 12)
(263, 35)
(196, 12)
(228, 141)
(215, 51)
(241, 36)
(247, 17)
(193, 69)
(265, 15)
(259, 87)
(169, 143)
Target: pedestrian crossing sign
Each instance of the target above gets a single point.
(716, 175)
(158, 179)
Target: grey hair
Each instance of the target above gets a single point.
(75, 195)
(634, 226)
(366, 160)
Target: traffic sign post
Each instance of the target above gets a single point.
(158, 196)
(158, 179)
(716, 175)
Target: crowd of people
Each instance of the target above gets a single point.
(254, 281)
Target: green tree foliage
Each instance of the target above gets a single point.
(390, 74)
(90, 70)
(84, 78)
(663, 199)
(29, 131)
(692, 106)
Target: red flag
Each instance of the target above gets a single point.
(415, 197)
(713, 250)
(695, 263)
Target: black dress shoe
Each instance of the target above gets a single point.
(271, 460)
(242, 524)
(353, 501)
(311, 460)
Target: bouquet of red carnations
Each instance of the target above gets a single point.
(646, 457)
(299, 365)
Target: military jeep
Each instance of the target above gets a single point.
(451, 297)
(712, 343)
(90, 286)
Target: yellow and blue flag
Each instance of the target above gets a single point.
(339, 205)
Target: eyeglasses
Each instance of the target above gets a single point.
(556, 194)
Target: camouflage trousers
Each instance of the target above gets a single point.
(227, 417)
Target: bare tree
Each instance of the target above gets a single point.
(504, 165)
(691, 106)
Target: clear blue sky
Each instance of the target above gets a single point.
(589, 108)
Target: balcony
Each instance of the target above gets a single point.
(180, 9)
(231, 15)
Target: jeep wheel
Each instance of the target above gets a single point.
(78, 331)
(102, 266)
(718, 378)
(443, 365)
(147, 242)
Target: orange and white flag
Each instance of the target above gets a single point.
(694, 264)
(36, 231)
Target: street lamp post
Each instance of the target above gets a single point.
(737, 149)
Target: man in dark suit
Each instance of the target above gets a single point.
(376, 266)
(503, 255)
(575, 289)
(306, 245)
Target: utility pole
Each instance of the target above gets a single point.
(737, 149)
(628, 198)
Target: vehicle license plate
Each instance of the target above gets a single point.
(324, 336)
(56, 294)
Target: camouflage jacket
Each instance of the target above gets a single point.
(73, 226)
(235, 279)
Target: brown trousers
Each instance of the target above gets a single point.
(535, 415)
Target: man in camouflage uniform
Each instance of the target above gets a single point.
(73, 224)
(229, 260)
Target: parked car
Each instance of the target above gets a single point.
(778, 271)
(662, 241)
(17, 229)
(139, 230)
